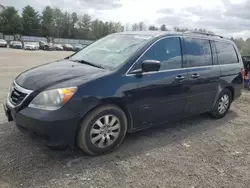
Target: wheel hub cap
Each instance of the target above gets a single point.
(223, 104)
(105, 131)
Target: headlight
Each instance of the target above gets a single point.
(53, 99)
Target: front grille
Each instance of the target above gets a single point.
(17, 96)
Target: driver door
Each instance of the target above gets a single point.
(162, 94)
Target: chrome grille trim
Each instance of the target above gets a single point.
(23, 90)
(20, 94)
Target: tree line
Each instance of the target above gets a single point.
(55, 23)
(142, 27)
(243, 45)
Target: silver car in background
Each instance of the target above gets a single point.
(68, 47)
(58, 47)
(16, 44)
(3, 43)
(31, 46)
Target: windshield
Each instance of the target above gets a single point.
(111, 51)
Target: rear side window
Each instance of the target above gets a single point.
(167, 51)
(226, 53)
(197, 52)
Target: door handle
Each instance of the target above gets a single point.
(179, 77)
(195, 75)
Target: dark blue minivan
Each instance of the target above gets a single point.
(123, 83)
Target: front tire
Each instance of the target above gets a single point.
(102, 130)
(222, 104)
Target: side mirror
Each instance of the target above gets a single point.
(150, 65)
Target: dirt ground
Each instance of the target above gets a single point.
(196, 152)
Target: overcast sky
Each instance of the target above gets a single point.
(226, 17)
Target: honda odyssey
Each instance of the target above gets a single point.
(123, 83)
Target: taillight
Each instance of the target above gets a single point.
(243, 73)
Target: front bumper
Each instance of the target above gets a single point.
(52, 128)
(29, 48)
(3, 45)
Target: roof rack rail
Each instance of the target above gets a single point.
(204, 33)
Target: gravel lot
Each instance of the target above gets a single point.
(196, 152)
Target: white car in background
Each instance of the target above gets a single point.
(31, 46)
(68, 47)
(3, 43)
(58, 47)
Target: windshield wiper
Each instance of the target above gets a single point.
(87, 63)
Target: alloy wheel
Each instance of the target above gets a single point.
(105, 131)
(223, 104)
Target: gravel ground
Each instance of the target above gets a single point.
(196, 152)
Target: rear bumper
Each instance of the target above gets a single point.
(52, 128)
(238, 91)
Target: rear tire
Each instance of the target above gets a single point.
(102, 130)
(222, 105)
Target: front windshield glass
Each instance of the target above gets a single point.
(111, 51)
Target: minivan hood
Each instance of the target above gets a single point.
(52, 73)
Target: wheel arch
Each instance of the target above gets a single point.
(118, 102)
(231, 89)
(221, 88)
(114, 101)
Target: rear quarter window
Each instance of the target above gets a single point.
(226, 53)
